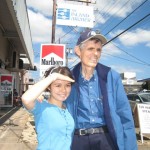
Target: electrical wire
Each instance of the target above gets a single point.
(75, 29)
(145, 63)
(127, 29)
(127, 59)
(126, 17)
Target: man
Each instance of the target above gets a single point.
(98, 101)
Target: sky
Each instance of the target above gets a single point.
(125, 24)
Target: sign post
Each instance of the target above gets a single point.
(144, 119)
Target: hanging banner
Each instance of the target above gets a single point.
(74, 15)
(6, 90)
(52, 55)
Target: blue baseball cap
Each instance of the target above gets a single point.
(85, 36)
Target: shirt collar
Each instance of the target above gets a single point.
(91, 79)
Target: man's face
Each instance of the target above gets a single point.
(90, 53)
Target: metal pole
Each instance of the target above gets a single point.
(53, 21)
(67, 58)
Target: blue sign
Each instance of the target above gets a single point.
(63, 14)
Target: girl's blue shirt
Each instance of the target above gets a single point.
(54, 126)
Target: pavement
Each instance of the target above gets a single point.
(17, 132)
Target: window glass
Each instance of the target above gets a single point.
(145, 97)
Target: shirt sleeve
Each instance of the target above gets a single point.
(37, 108)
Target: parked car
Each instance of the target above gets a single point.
(136, 98)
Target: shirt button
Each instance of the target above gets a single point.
(91, 100)
(93, 120)
(90, 87)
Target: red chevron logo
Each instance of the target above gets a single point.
(56, 49)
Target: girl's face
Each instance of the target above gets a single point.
(59, 90)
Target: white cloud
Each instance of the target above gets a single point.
(115, 7)
(40, 27)
(40, 13)
(133, 38)
(111, 49)
(107, 9)
(148, 45)
(45, 6)
(122, 68)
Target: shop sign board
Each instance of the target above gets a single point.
(144, 119)
(6, 89)
(52, 55)
(75, 15)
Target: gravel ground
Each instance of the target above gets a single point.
(18, 132)
(29, 135)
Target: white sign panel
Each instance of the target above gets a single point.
(75, 15)
(144, 118)
(52, 55)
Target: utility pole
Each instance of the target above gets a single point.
(53, 21)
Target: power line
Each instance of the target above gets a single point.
(132, 55)
(127, 59)
(127, 29)
(115, 13)
(73, 29)
(64, 35)
(126, 17)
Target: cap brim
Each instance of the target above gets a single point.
(98, 36)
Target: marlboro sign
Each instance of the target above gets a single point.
(6, 90)
(6, 83)
(52, 55)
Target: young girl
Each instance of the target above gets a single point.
(54, 124)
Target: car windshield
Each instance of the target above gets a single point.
(145, 97)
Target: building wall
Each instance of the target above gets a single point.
(6, 51)
(4, 46)
(15, 40)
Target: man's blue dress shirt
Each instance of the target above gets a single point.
(90, 110)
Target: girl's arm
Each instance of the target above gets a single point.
(29, 97)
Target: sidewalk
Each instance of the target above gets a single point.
(18, 133)
(146, 140)
(13, 135)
